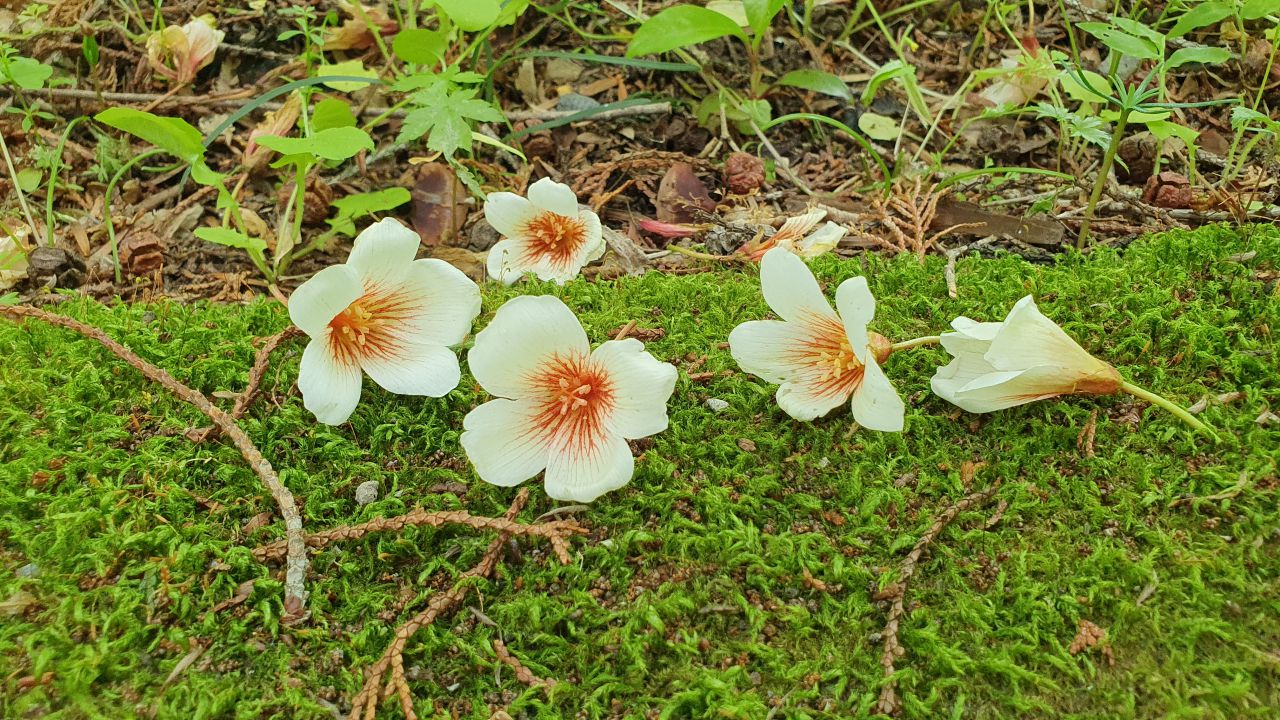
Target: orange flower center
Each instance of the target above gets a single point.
(575, 397)
(368, 326)
(830, 366)
(556, 236)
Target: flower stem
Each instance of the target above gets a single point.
(908, 344)
(1171, 406)
(694, 253)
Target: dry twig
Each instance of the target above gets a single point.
(260, 360)
(293, 548)
(365, 704)
(907, 215)
(554, 532)
(888, 703)
(523, 674)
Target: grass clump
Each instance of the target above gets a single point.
(692, 597)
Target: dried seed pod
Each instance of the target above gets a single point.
(318, 198)
(743, 173)
(142, 252)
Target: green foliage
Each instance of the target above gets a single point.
(817, 81)
(444, 110)
(334, 143)
(689, 597)
(354, 207)
(681, 26)
(173, 135)
(23, 73)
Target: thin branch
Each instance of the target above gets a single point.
(888, 703)
(260, 361)
(295, 594)
(554, 532)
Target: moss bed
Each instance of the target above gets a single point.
(735, 577)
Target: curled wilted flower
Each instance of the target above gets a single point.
(1021, 78)
(354, 33)
(385, 314)
(277, 123)
(546, 234)
(179, 52)
(561, 406)
(819, 359)
(1026, 358)
(797, 234)
(1023, 359)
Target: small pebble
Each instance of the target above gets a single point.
(367, 492)
(29, 570)
(717, 405)
(573, 102)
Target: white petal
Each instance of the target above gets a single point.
(318, 301)
(547, 194)
(857, 307)
(583, 477)
(595, 246)
(822, 240)
(980, 331)
(524, 333)
(505, 263)
(414, 368)
(448, 299)
(795, 227)
(789, 287)
(763, 348)
(1001, 389)
(507, 213)
(330, 388)
(383, 252)
(1028, 339)
(800, 402)
(876, 405)
(641, 386)
(497, 440)
(546, 269)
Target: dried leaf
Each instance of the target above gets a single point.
(439, 208)
(681, 194)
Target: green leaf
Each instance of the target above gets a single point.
(337, 143)
(1163, 129)
(1203, 55)
(1076, 90)
(231, 238)
(173, 135)
(9, 299)
(443, 117)
(1122, 42)
(27, 73)
(817, 81)
(332, 113)
(681, 26)
(420, 46)
(760, 14)
(1258, 9)
(878, 127)
(356, 206)
(1200, 16)
(1139, 30)
(29, 179)
(353, 68)
(471, 15)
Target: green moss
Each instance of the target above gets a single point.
(689, 599)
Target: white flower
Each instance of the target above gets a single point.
(797, 234)
(562, 407)
(179, 53)
(818, 358)
(1023, 359)
(386, 314)
(546, 234)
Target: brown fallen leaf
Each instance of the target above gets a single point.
(681, 194)
(472, 264)
(439, 204)
(980, 221)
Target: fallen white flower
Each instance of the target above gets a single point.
(818, 358)
(546, 234)
(386, 314)
(561, 406)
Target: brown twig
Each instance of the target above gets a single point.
(554, 531)
(295, 594)
(523, 674)
(365, 704)
(260, 361)
(888, 703)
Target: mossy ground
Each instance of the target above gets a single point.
(689, 599)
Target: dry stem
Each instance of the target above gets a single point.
(295, 594)
(256, 373)
(888, 704)
(554, 532)
(365, 704)
(523, 674)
